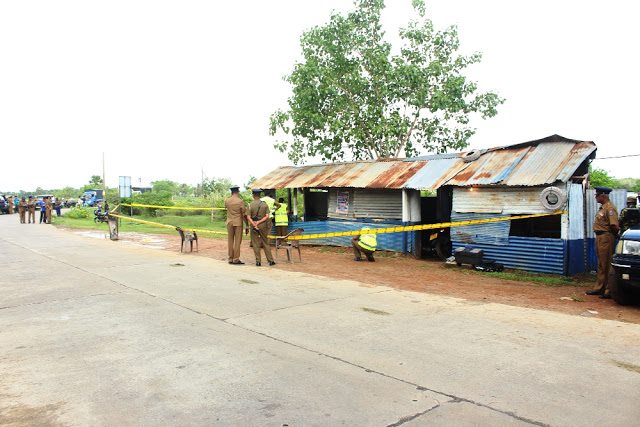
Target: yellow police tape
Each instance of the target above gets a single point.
(419, 227)
(182, 208)
(397, 229)
(157, 224)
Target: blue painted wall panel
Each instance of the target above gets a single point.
(526, 253)
(495, 233)
(397, 242)
(575, 256)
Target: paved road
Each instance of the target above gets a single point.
(94, 332)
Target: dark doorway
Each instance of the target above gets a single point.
(316, 204)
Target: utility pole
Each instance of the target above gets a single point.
(202, 180)
(104, 181)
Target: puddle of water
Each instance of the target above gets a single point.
(93, 234)
(129, 238)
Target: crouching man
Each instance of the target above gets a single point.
(364, 244)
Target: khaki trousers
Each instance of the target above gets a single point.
(359, 250)
(259, 238)
(32, 216)
(234, 239)
(604, 250)
(21, 212)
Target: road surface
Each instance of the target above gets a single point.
(94, 332)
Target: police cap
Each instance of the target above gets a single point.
(256, 191)
(234, 188)
(603, 190)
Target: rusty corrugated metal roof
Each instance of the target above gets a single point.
(534, 163)
(380, 174)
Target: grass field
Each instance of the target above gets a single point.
(201, 222)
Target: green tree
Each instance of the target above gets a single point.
(352, 96)
(165, 185)
(95, 181)
(185, 190)
(216, 187)
(250, 181)
(601, 178)
(631, 184)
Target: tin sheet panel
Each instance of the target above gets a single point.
(507, 200)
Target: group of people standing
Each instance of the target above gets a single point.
(26, 208)
(256, 219)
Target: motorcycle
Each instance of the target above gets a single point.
(100, 215)
(437, 243)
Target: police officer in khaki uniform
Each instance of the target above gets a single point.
(31, 207)
(22, 210)
(606, 229)
(10, 204)
(258, 217)
(48, 208)
(236, 215)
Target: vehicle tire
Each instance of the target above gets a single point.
(619, 295)
(443, 248)
(553, 198)
(471, 155)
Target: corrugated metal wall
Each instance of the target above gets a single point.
(543, 255)
(507, 200)
(576, 211)
(397, 242)
(367, 203)
(617, 197)
(576, 243)
(526, 253)
(495, 233)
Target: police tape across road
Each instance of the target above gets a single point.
(157, 224)
(385, 230)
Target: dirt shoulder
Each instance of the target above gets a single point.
(430, 276)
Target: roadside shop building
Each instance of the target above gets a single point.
(535, 177)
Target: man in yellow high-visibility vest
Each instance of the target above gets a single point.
(271, 202)
(364, 243)
(282, 217)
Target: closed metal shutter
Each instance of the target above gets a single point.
(366, 203)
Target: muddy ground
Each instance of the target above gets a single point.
(407, 273)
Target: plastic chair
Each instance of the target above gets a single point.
(189, 236)
(283, 242)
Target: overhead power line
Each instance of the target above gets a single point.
(616, 157)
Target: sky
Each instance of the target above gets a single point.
(177, 90)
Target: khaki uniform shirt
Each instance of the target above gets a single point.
(606, 216)
(236, 211)
(258, 209)
(31, 205)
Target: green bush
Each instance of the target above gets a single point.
(160, 198)
(79, 213)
